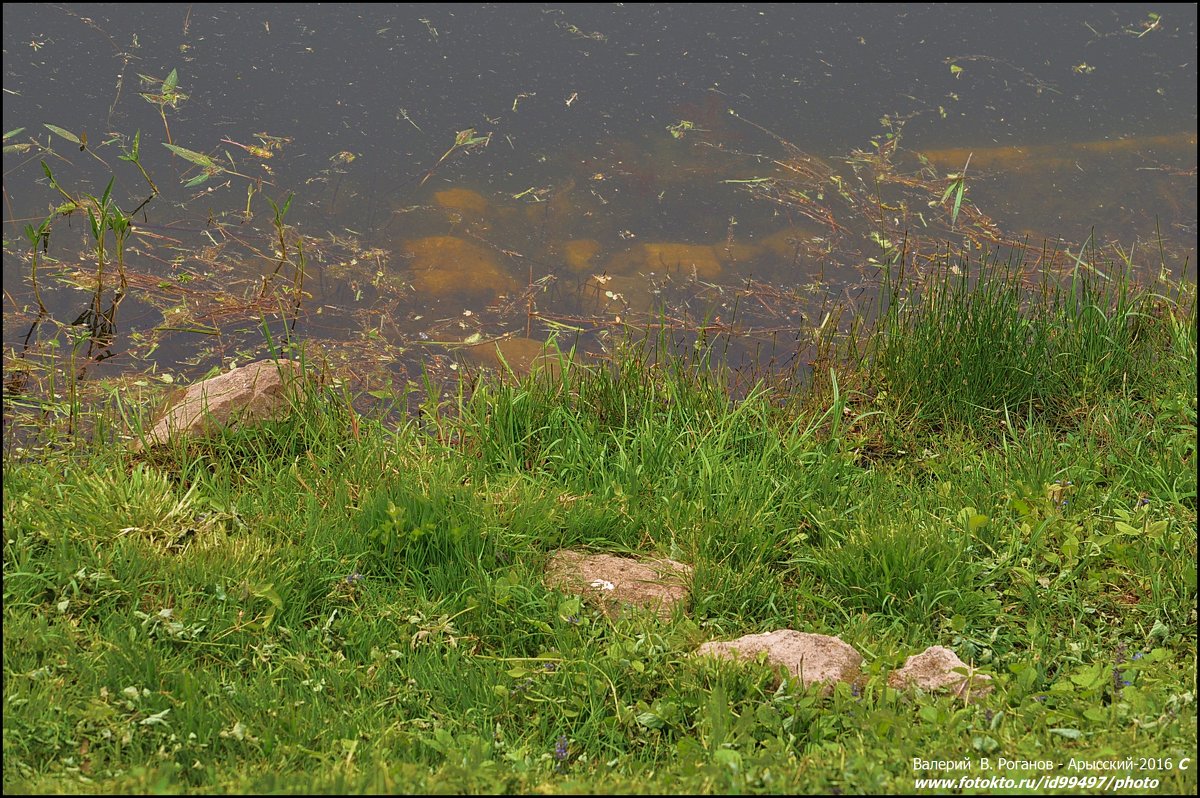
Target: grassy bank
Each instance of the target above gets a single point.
(328, 604)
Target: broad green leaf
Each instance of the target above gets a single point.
(94, 223)
(157, 719)
(134, 150)
(727, 757)
(568, 608)
(267, 591)
(1159, 654)
(171, 82)
(66, 134)
(962, 186)
(972, 518)
(198, 158)
(650, 720)
(1091, 677)
(197, 180)
(15, 132)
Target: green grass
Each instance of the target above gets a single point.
(318, 605)
(974, 344)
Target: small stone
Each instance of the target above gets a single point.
(934, 671)
(811, 658)
(616, 581)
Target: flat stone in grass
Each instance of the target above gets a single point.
(258, 391)
(808, 657)
(934, 671)
(616, 581)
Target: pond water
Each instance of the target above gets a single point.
(465, 174)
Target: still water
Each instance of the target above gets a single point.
(465, 174)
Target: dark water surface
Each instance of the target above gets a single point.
(732, 166)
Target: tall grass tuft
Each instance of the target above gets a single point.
(969, 344)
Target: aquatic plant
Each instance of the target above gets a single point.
(168, 95)
(39, 240)
(957, 187)
(464, 141)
